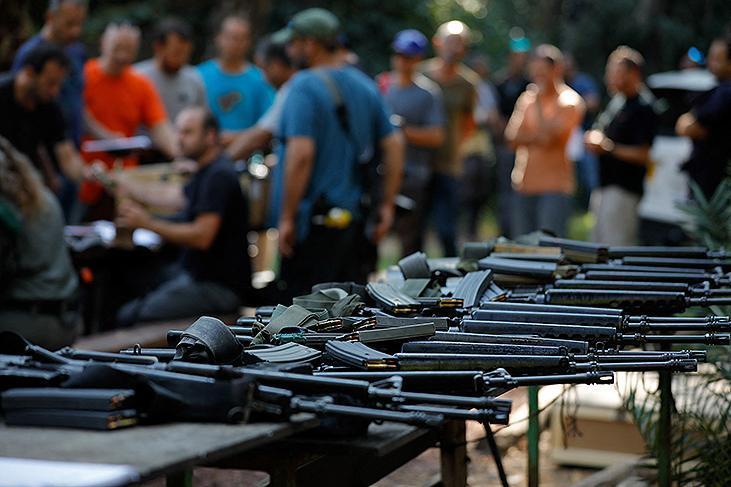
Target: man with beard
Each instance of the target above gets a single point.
(63, 25)
(211, 227)
(333, 123)
(32, 120)
(178, 83)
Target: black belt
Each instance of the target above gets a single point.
(54, 307)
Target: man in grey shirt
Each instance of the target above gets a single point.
(178, 83)
(416, 103)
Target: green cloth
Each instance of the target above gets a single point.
(335, 301)
(285, 317)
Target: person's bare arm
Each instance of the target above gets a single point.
(198, 234)
(247, 141)
(299, 161)
(150, 193)
(392, 147)
(515, 131)
(163, 138)
(72, 166)
(688, 126)
(634, 154)
(430, 137)
(596, 142)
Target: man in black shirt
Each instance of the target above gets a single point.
(211, 227)
(709, 123)
(622, 137)
(32, 120)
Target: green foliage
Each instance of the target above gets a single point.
(661, 29)
(710, 219)
(701, 423)
(701, 435)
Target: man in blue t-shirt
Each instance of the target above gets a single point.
(236, 90)
(333, 123)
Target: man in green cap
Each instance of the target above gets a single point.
(333, 124)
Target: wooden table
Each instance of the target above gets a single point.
(151, 450)
(309, 460)
(286, 451)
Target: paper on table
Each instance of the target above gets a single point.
(21, 472)
(141, 237)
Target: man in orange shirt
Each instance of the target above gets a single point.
(539, 129)
(118, 101)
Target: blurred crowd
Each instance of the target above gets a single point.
(426, 145)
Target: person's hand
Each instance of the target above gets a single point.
(227, 137)
(385, 221)
(96, 171)
(596, 142)
(287, 236)
(131, 215)
(184, 166)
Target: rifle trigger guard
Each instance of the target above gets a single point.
(393, 383)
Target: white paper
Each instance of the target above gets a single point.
(21, 472)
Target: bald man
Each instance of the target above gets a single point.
(118, 101)
(211, 229)
(459, 88)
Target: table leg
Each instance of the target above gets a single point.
(664, 429)
(534, 435)
(180, 479)
(453, 453)
(283, 476)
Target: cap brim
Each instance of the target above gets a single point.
(282, 36)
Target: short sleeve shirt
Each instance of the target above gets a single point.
(216, 189)
(541, 169)
(123, 104)
(179, 90)
(30, 131)
(309, 111)
(419, 105)
(635, 124)
(710, 156)
(271, 120)
(460, 97)
(237, 100)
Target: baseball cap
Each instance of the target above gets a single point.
(410, 42)
(312, 22)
